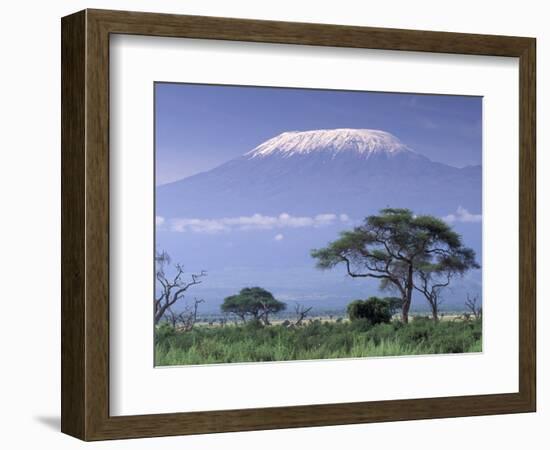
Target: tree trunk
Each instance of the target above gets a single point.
(408, 295)
(435, 312)
(159, 313)
(405, 311)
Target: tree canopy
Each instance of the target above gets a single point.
(393, 246)
(254, 302)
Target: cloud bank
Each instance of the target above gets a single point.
(462, 215)
(254, 222)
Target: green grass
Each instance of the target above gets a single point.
(316, 340)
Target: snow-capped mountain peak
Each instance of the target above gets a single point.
(360, 141)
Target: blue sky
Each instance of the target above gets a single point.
(199, 127)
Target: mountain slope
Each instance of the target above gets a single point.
(355, 172)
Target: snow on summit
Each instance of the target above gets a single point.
(361, 141)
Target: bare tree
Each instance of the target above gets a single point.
(472, 307)
(171, 289)
(431, 283)
(301, 313)
(172, 317)
(184, 320)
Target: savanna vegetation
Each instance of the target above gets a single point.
(315, 340)
(404, 253)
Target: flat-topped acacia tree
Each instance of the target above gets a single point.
(254, 302)
(393, 246)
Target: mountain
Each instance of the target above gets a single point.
(350, 171)
(253, 220)
(363, 143)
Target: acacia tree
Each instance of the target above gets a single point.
(394, 304)
(390, 247)
(235, 304)
(255, 302)
(171, 289)
(433, 277)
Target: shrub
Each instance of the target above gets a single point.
(360, 325)
(381, 332)
(165, 330)
(254, 324)
(375, 310)
(452, 343)
(418, 330)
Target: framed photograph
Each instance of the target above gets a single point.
(274, 225)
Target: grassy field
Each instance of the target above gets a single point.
(315, 340)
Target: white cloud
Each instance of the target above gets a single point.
(462, 215)
(254, 222)
(279, 237)
(159, 220)
(197, 225)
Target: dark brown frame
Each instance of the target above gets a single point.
(85, 224)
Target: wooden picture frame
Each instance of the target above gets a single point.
(85, 224)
